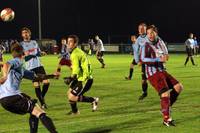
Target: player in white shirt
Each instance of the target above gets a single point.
(100, 51)
(189, 48)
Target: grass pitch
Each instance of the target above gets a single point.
(119, 110)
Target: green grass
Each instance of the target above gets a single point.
(119, 109)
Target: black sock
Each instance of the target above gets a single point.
(45, 88)
(192, 60)
(48, 123)
(39, 95)
(130, 72)
(101, 61)
(33, 123)
(186, 60)
(73, 106)
(173, 96)
(58, 69)
(144, 87)
(85, 99)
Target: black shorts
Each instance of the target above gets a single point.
(38, 70)
(78, 88)
(189, 51)
(100, 53)
(18, 104)
(133, 62)
(143, 72)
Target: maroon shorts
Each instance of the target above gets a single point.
(162, 81)
(66, 62)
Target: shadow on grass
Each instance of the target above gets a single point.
(96, 130)
(127, 125)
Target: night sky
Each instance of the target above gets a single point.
(115, 18)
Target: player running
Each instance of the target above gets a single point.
(81, 79)
(13, 100)
(65, 56)
(135, 57)
(100, 51)
(167, 86)
(32, 53)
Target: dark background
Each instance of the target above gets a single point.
(115, 18)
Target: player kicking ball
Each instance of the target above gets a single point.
(81, 79)
(167, 86)
(13, 100)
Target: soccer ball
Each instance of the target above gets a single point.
(7, 14)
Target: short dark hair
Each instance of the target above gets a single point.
(153, 27)
(16, 50)
(63, 38)
(75, 37)
(26, 29)
(143, 24)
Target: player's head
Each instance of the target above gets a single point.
(152, 32)
(72, 41)
(26, 33)
(97, 37)
(16, 50)
(142, 28)
(63, 41)
(191, 35)
(133, 38)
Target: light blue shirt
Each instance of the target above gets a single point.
(12, 84)
(65, 53)
(140, 42)
(33, 49)
(135, 52)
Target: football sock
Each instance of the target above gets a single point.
(58, 69)
(39, 94)
(165, 107)
(101, 61)
(144, 87)
(130, 73)
(192, 61)
(45, 88)
(73, 106)
(33, 123)
(186, 60)
(173, 96)
(86, 99)
(48, 123)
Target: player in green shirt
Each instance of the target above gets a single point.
(81, 79)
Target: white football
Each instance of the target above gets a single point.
(7, 14)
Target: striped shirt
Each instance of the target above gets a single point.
(150, 56)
